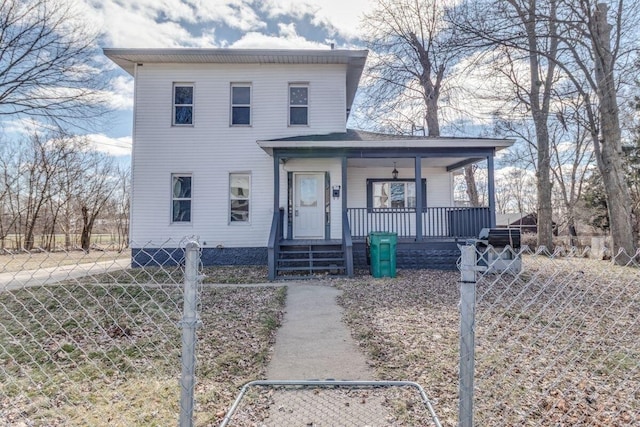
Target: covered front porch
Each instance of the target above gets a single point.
(372, 182)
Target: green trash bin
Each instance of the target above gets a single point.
(382, 251)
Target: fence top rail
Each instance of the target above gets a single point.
(438, 210)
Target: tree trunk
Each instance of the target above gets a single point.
(610, 146)
(472, 188)
(543, 183)
(87, 225)
(29, 240)
(540, 104)
(573, 232)
(431, 115)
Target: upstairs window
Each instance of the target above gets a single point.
(182, 104)
(240, 104)
(181, 198)
(298, 105)
(239, 192)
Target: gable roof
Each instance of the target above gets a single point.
(353, 59)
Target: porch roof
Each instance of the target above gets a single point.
(354, 138)
(454, 152)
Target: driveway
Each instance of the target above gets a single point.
(50, 275)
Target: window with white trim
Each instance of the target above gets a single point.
(180, 198)
(393, 194)
(298, 105)
(239, 197)
(240, 104)
(182, 104)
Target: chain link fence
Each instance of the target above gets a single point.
(548, 339)
(555, 338)
(87, 340)
(331, 403)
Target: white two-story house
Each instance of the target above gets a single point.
(249, 151)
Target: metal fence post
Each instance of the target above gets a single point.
(467, 334)
(189, 324)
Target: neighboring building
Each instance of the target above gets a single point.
(249, 150)
(526, 223)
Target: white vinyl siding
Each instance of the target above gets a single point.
(212, 149)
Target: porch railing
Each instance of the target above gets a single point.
(347, 245)
(437, 223)
(273, 245)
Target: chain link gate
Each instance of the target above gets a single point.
(331, 403)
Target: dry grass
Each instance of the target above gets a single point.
(81, 354)
(556, 345)
(408, 327)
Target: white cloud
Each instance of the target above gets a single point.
(341, 16)
(173, 23)
(163, 23)
(128, 26)
(24, 126)
(287, 38)
(120, 93)
(112, 146)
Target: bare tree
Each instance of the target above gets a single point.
(33, 167)
(594, 45)
(572, 160)
(123, 204)
(413, 51)
(512, 195)
(46, 52)
(522, 30)
(52, 176)
(8, 178)
(97, 186)
(598, 52)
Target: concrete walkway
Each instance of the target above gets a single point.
(312, 342)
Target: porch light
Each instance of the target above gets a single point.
(394, 172)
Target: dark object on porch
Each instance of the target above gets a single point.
(381, 251)
(498, 249)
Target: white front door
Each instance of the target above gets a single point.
(308, 206)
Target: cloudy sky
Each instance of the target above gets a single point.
(213, 24)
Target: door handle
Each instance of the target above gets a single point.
(297, 212)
